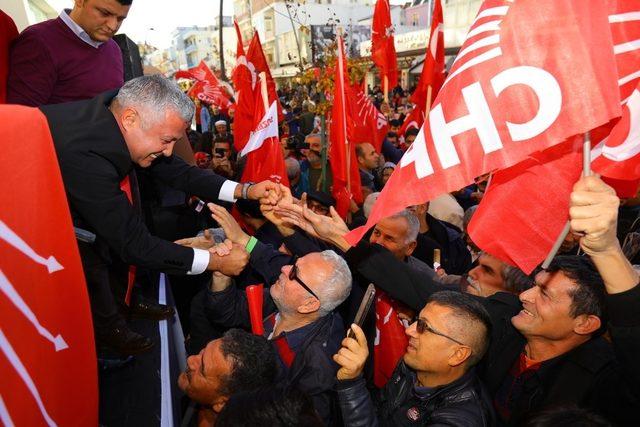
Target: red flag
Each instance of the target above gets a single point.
(506, 97)
(415, 119)
(617, 155)
(542, 214)
(255, 56)
(513, 222)
(344, 166)
(383, 51)
(244, 80)
(391, 341)
(265, 159)
(366, 123)
(432, 76)
(47, 354)
(207, 87)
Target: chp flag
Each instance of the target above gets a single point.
(383, 50)
(532, 216)
(244, 79)
(366, 123)
(207, 87)
(48, 365)
(513, 89)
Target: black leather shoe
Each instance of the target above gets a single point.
(124, 341)
(143, 308)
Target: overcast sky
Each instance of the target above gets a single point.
(152, 21)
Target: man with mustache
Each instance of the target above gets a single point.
(69, 58)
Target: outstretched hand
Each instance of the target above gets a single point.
(199, 242)
(230, 226)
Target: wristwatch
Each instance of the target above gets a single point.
(245, 189)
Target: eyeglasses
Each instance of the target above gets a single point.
(293, 275)
(422, 325)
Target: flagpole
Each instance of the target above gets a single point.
(263, 89)
(341, 67)
(586, 171)
(385, 86)
(429, 89)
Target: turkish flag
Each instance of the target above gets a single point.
(344, 166)
(383, 50)
(391, 341)
(415, 119)
(366, 123)
(526, 228)
(244, 79)
(514, 89)
(432, 76)
(255, 56)
(47, 356)
(265, 159)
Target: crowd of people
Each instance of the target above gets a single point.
(484, 343)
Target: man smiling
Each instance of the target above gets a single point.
(98, 142)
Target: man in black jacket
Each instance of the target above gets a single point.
(435, 383)
(547, 346)
(98, 142)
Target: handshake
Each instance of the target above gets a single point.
(278, 206)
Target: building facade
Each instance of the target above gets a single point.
(29, 12)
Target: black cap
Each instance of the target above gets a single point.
(322, 198)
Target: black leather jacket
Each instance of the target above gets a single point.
(463, 402)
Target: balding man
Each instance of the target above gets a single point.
(368, 161)
(434, 383)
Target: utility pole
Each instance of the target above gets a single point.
(223, 75)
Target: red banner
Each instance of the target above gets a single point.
(244, 80)
(383, 50)
(514, 89)
(432, 76)
(391, 341)
(344, 166)
(207, 87)
(47, 356)
(366, 123)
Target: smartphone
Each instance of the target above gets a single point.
(365, 305)
(220, 152)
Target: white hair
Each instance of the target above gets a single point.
(337, 287)
(413, 224)
(369, 201)
(155, 95)
(293, 167)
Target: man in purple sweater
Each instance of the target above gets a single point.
(69, 58)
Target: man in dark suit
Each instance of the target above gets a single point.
(98, 142)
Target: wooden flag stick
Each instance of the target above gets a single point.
(428, 101)
(265, 92)
(385, 88)
(586, 171)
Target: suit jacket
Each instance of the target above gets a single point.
(93, 159)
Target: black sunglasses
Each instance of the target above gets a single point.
(293, 275)
(422, 325)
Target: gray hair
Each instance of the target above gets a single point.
(337, 287)
(468, 214)
(155, 95)
(312, 135)
(293, 167)
(413, 224)
(369, 201)
(515, 281)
